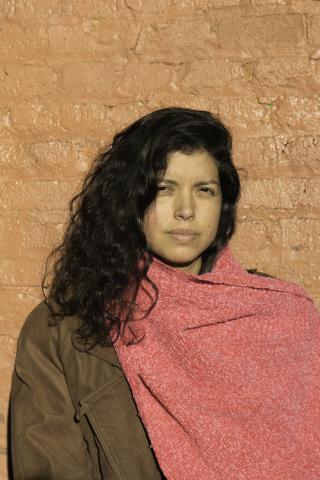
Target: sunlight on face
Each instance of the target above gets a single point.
(189, 199)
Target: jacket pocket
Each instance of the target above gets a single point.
(113, 417)
(86, 409)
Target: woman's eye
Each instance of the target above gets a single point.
(162, 187)
(208, 190)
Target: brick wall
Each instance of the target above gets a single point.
(73, 72)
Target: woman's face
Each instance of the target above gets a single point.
(189, 199)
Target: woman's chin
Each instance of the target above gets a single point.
(179, 261)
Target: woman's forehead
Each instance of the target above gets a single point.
(195, 164)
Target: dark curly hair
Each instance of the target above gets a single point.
(104, 253)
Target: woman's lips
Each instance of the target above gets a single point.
(183, 236)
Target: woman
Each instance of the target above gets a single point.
(156, 354)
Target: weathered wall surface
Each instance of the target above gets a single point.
(72, 72)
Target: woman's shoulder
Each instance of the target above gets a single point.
(43, 330)
(296, 297)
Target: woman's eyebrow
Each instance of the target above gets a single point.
(197, 184)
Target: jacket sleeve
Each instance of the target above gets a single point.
(46, 442)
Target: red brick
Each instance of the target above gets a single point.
(206, 76)
(15, 162)
(300, 114)
(261, 36)
(24, 43)
(94, 78)
(148, 5)
(39, 195)
(27, 81)
(204, 4)
(278, 156)
(64, 159)
(254, 234)
(287, 72)
(16, 240)
(92, 38)
(314, 31)
(85, 117)
(258, 155)
(269, 2)
(282, 193)
(230, 3)
(48, 217)
(94, 8)
(317, 74)
(7, 10)
(31, 9)
(107, 81)
(262, 255)
(5, 122)
(3, 465)
(315, 55)
(299, 154)
(115, 36)
(134, 83)
(21, 272)
(27, 238)
(300, 238)
(69, 38)
(98, 120)
(120, 116)
(47, 160)
(305, 6)
(247, 115)
(7, 349)
(176, 40)
(36, 118)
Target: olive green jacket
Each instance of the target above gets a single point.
(72, 412)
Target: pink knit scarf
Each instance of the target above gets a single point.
(227, 377)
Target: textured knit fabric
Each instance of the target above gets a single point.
(227, 376)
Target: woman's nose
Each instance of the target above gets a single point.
(184, 206)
